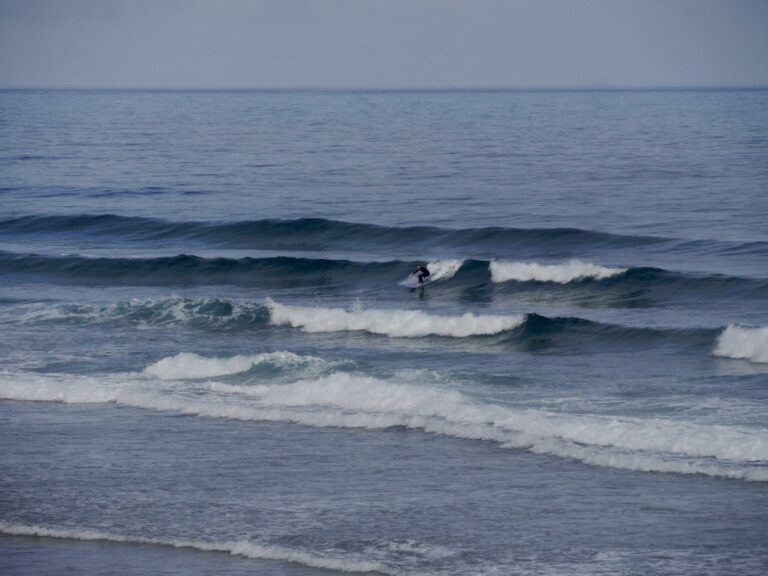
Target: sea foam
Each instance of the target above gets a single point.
(444, 269)
(353, 400)
(742, 342)
(394, 323)
(190, 366)
(439, 270)
(572, 271)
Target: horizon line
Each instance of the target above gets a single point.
(337, 89)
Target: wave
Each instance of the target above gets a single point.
(540, 333)
(560, 273)
(184, 270)
(584, 283)
(206, 314)
(318, 234)
(577, 275)
(309, 233)
(443, 269)
(354, 400)
(340, 562)
(394, 323)
(532, 332)
(186, 365)
(743, 343)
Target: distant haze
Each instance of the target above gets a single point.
(383, 43)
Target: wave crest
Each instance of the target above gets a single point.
(572, 271)
(444, 269)
(743, 343)
(393, 323)
(189, 366)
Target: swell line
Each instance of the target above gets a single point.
(309, 233)
(288, 271)
(532, 332)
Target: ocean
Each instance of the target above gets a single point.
(209, 363)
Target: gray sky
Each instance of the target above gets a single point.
(383, 43)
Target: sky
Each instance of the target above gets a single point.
(379, 44)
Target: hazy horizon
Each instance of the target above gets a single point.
(383, 45)
(416, 89)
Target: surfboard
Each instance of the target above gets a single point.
(413, 282)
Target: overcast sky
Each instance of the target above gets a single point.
(383, 43)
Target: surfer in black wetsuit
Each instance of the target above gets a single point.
(421, 273)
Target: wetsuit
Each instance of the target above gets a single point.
(421, 273)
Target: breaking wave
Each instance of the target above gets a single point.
(355, 400)
(186, 365)
(744, 343)
(444, 269)
(584, 282)
(560, 273)
(394, 323)
(531, 331)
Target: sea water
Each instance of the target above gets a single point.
(208, 364)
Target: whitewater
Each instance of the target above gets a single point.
(353, 400)
(211, 361)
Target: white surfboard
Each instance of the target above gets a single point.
(413, 282)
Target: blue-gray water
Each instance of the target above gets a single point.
(208, 363)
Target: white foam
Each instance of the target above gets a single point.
(438, 269)
(742, 342)
(146, 311)
(244, 548)
(394, 323)
(190, 366)
(572, 271)
(63, 388)
(347, 400)
(443, 269)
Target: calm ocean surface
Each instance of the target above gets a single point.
(208, 364)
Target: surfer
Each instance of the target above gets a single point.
(421, 273)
